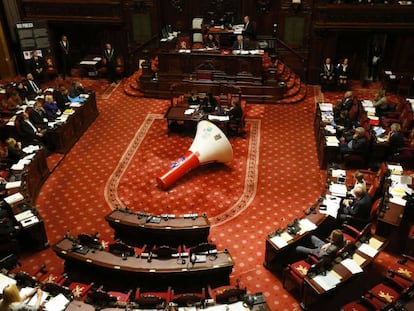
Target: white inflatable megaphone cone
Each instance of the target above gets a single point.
(209, 145)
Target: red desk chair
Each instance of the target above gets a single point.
(404, 268)
(353, 234)
(188, 299)
(359, 305)
(227, 294)
(382, 295)
(152, 299)
(358, 223)
(122, 299)
(80, 290)
(296, 272)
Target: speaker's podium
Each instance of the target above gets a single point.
(32, 235)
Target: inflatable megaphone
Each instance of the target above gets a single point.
(209, 145)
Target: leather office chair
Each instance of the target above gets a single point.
(122, 299)
(55, 289)
(164, 251)
(183, 43)
(189, 299)
(359, 224)
(383, 294)
(153, 300)
(227, 294)
(358, 305)
(100, 299)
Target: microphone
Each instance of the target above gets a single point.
(149, 259)
(193, 259)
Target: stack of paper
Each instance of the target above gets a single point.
(375, 243)
(351, 265)
(189, 111)
(4, 281)
(332, 205)
(367, 103)
(368, 250)
(395, 169)
(306, 225)
(13, 184)
(31, 148)
(282, 240)
(218, 118)
(332, 141)
(14, 198)
(338, 173)
(327, 281)
(32, 301)
(338, 190)
(57, 303)
(330, 129)
(325, 106)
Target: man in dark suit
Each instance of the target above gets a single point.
(248, 29)
(37, 116)
(327, 75)
(33, 88)
(110, 62)
(359, 207)
(28, 130)
(65, 59)
(37, 66)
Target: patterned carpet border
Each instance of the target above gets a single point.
(250, 183)
(109, 90)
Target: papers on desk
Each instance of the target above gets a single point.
(368, 250)
(19, 166)
(4, 281)
(327, 281)
(24, 215)
(184, 51)
(325, 106)
(338, 173)
(358, 259)
(57, 303)
(351, 265)
(367, 103)
(371, 111)
(31, 148)
(32, 300)
(69, 111)
(282, 240)
(11, 121)
(395, 169)
(218, 118)
(13, 184)
(14, 198)
(329, 128)
(375, 243)
(97, 59)
(332, 141)
(388, 72)
(189, 111)
(378, 131)
(86, 96)
(89, 62)
(332, 204)
(75, 105)
(306, 225)
(76, 99)
(338, 190)
(39, 97)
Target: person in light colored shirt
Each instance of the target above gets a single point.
(13, 301)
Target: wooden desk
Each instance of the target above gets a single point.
(135, 229)
(112, 271)
(62, 138)
(314, 294)
(278, 258)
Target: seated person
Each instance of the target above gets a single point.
(395, 138)
(62, 97)
(211, 41)
(327, 75)
(343, 72)
(194, 99)
(209, 103)
(321, 248)
(343, 123)
(239, 45)
(76, 89)
(13, 301)
(359, 206)
(14, 101)
(356, 143)
(29, 131)
(235, 113)
(14, 150)
(51, 108)
(359, 183)
(344, 104)
(380, 102)
(22, 90)
(32, 86)
(38, 116)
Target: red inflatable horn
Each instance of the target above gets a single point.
(209, 145)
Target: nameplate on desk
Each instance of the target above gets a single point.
(29, 221)
(190, 215)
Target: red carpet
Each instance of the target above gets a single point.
(273, 178)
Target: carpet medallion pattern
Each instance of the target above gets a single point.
(132, 183)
